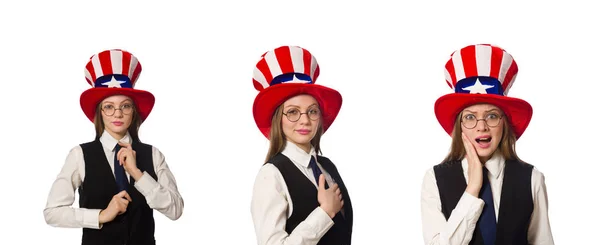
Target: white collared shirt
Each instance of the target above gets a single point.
(271, 204)
(161, 195)
(459, 227)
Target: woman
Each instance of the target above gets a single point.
(299, 196)
(119, 179)
(483, 193)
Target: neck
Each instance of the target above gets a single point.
(304, 147)
(483, 160)
(117, 136)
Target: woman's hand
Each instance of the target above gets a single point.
(475, 171)
(117, 206)
(329, 199)
(127, 158)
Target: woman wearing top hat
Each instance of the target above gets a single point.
(482, 192)
(120, 180)
(299, 196)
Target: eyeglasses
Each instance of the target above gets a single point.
(110, 109)
(491, 120)
(294, 114)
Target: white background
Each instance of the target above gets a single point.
(386, 60)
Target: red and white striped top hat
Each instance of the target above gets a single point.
(114, 72)
(285, 72)
(481, 74)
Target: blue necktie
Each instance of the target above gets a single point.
(316, 170)
(120, 175)
(487, 220)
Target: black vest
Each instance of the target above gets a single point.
(136, 225)
(304, 199)
(516, 202)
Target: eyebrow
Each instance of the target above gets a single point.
(122, 102)
(310, 106)
(484, 111)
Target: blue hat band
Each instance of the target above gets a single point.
(479, 85)
(113, 81)
(291, 78)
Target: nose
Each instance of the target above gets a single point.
(304, 119)
(482, 125)
(118, 113)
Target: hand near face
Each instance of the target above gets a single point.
(329, 199)
(475, 171)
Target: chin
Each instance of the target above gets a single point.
(119, 130)
(302, 140)
(485, 153)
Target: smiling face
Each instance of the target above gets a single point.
(301, 120)
(117, 114)
(483, 126)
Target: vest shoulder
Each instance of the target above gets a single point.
(447, 165)
(325, 161)
(140, 144)
(520, 164)
(278, 159)
(323, 158)
(88, 144)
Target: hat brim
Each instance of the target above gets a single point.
(267, 101)
(89, 99)
(517, 111)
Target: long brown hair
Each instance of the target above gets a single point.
(506, 146)
(277, 139)
(133, 129)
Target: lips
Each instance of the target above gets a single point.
(117, 123)
(303, 131)
(484, 141)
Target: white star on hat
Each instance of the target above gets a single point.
(113, 83)
(478, 88)
(295, 79)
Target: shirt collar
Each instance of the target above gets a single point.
(297, 155)
(109, 143)
(495, 165)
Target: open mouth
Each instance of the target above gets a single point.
(484, 139)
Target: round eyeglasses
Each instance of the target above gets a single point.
(110, 109)
(293, 115)
(491, 120)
